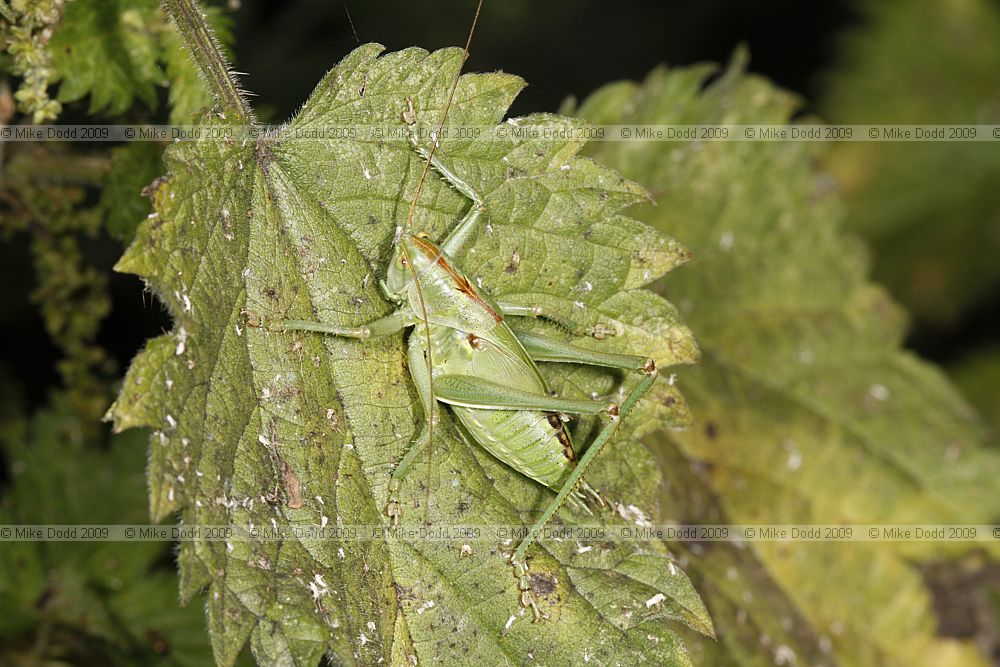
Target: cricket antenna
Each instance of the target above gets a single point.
(416, 281)
(444, 118)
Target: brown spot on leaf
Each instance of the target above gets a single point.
(542, 583)
(157, 642)
(513, 263)
(293, 488)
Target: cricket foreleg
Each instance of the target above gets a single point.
(548, 310)
(517, 560)
(422, 381)
(448, 175)
(384, 326)
(474, 392)
(461, 235)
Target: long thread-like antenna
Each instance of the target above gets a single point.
(416, 280)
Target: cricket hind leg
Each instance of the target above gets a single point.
(552, 350)
(548, 309)
(422, 380)
(544, 348)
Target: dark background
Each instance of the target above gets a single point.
(561, 47)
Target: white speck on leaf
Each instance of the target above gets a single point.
(633, 514)
(318, 586)
(879, 392)
(783, 655)
(182, 335)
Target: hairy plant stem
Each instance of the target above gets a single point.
(201, 41)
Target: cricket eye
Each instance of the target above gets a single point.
(402, 261)
(424, 235)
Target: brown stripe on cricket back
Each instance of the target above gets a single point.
(462, 283)
(555, 421)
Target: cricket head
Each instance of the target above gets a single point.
(412, 255)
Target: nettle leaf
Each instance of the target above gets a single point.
(265, 428)
(808, 410)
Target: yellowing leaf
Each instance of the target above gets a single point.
(807, 409)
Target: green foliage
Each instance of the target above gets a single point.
(45, 190)
(930, 210)
(25, 32)
(133, 167)
(94, 603)
(294, 429)
(112, 50)
(978, 375)
(108, 49)
(808, 410)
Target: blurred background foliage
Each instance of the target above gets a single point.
(929, 212)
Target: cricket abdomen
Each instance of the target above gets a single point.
(523, 439)
(534, 443)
